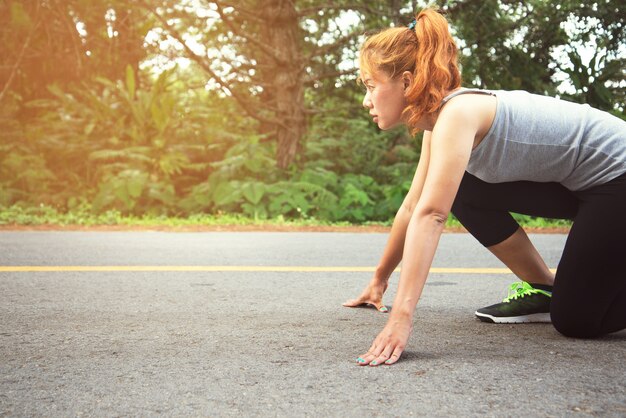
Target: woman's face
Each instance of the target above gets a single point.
(384, 99)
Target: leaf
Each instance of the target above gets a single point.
(135, 184)
(162, 192)
(255, 211)
(253, 192)
(226, 193)
(105, 82)
(56, 90)
(89, 128)
(128, 154)
(352, 195)
(120, 191)
(130, 81)
(159, 118)
(281, 205)
(602, 94)
(173, 163)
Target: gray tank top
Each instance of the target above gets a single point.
(544, 139)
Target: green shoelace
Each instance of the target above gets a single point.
(521, 289)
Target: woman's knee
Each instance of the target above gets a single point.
(576, 323)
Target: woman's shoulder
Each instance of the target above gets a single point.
(469, 101)
(471, 110)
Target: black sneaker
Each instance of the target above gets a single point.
(525, 303)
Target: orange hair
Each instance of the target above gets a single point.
(428, 52)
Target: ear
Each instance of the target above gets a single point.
(407, 79)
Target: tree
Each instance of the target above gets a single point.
(83, 114)
(269, 52)
(525, 44)
(48, 48)
(66, 42)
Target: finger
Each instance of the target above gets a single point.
(383, 356)
(376, 305)
(372, 353)
(353, 302)
(359, 302)
(395, 356)
(365, 359)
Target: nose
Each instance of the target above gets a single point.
(367, 102)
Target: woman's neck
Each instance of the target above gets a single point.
(427, 123)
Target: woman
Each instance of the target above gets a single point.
(485, 153)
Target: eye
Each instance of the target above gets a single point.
(369, 87)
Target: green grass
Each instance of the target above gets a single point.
(82, 216)
(46, 215)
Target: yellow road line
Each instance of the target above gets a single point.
(448, 270)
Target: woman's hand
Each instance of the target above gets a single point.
(371, 295)
(390, 343)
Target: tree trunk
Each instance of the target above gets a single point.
(286, 81)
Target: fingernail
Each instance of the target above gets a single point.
(360, 360)
(374, 363)
(384, 309)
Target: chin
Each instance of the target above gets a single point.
(386, 127)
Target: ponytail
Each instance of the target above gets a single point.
(427, 50)
(436, 70)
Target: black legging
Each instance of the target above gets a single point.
(589, 294)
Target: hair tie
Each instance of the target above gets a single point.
(411, 25)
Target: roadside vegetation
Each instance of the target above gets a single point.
(83, 217)
(249, 112)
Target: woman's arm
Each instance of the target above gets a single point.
(450, 148)
(392, 254)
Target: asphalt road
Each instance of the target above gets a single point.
(256, 341)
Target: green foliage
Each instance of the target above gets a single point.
(93, 134)
(117, 145)
(115, 138)
(83, 215)
(43, 45)
(523, 45)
